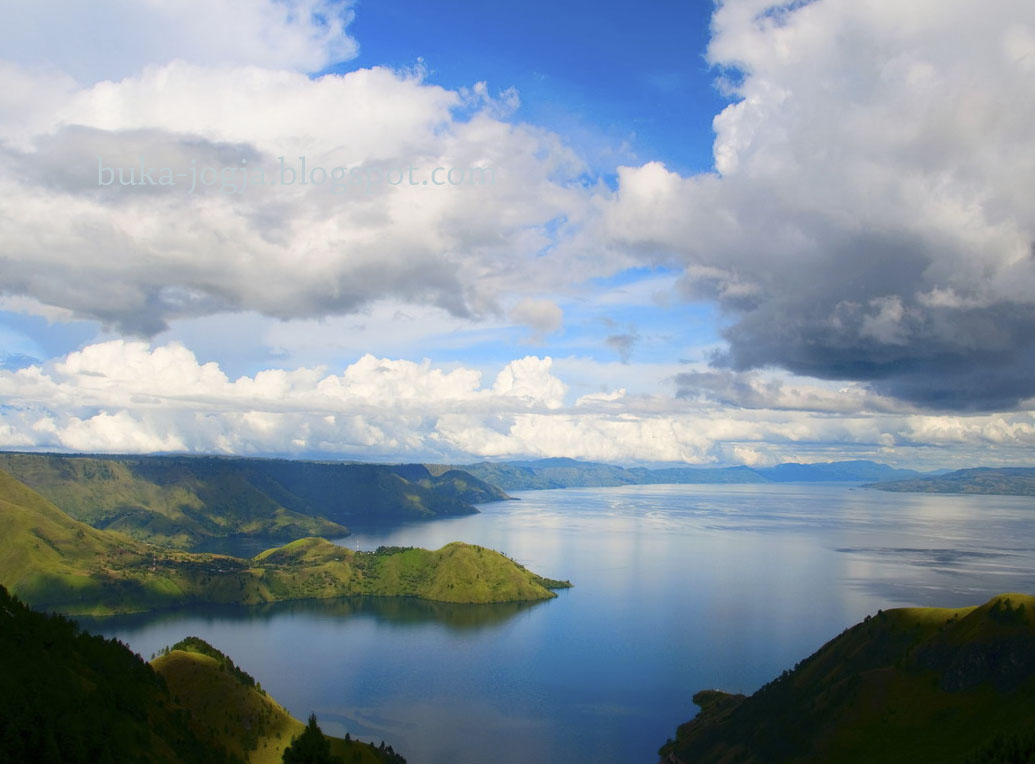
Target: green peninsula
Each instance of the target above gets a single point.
(56, 563)
(906, 685)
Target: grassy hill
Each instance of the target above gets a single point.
(1012, 481)
(907, 685)
(68, 697)
(184, 501)
(58, 563)
(227, 708)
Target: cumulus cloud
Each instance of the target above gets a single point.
(870, 216)
(127, 396)
(544, 317)
(137, 257)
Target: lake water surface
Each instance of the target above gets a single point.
(677, 588)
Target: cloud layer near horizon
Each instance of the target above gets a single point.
(126, 396)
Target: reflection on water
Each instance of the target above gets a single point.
(677, 588)
(397, 611)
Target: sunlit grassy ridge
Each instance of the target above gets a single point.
(55, 562)
(907, 685)
(171, 502)
(228, 709)
(70, 697)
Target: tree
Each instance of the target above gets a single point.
(311, 747)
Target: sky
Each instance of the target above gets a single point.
(712, 234)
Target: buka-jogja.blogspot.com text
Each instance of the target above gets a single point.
(235, 179)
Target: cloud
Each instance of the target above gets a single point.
(870, 216)
(138, 257)
(623, 344)
(109, 40)
(756, 390)
(544, 317)
(129, 396)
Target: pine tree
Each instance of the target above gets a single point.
(311, 747)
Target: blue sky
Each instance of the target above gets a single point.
(603, 74)
(830, 259)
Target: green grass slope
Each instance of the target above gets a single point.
(173, 502)
(1004, 481)
(907, 685)
(185, 501)
(57, 563)
(67, 697)
(227, 708)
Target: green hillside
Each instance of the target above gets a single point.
(67, 697)
(171, 502)
(1004, 481)
(227, 708)
(907, 685)
(184, 501)
(55, 562)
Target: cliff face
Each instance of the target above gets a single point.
(907, 685)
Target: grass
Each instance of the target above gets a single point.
(906, 685)
(229, 709)
(58, 563)
(167, 502)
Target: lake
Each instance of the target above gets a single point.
(677, 589)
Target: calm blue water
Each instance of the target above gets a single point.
(677, 588)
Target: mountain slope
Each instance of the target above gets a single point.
(228, 709)
(174, 502)
(55, 562)
(844, 472)
(67, 697)
(183, 501)
(907, 685)
(1012, 481)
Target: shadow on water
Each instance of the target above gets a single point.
(394, 611)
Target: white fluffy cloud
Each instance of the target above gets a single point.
(136, 257)
(123, 396)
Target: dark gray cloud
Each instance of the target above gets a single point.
(870, 218)
(623, 344)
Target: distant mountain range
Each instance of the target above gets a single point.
(571, 473)
(1014, 481)
(906, 685)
